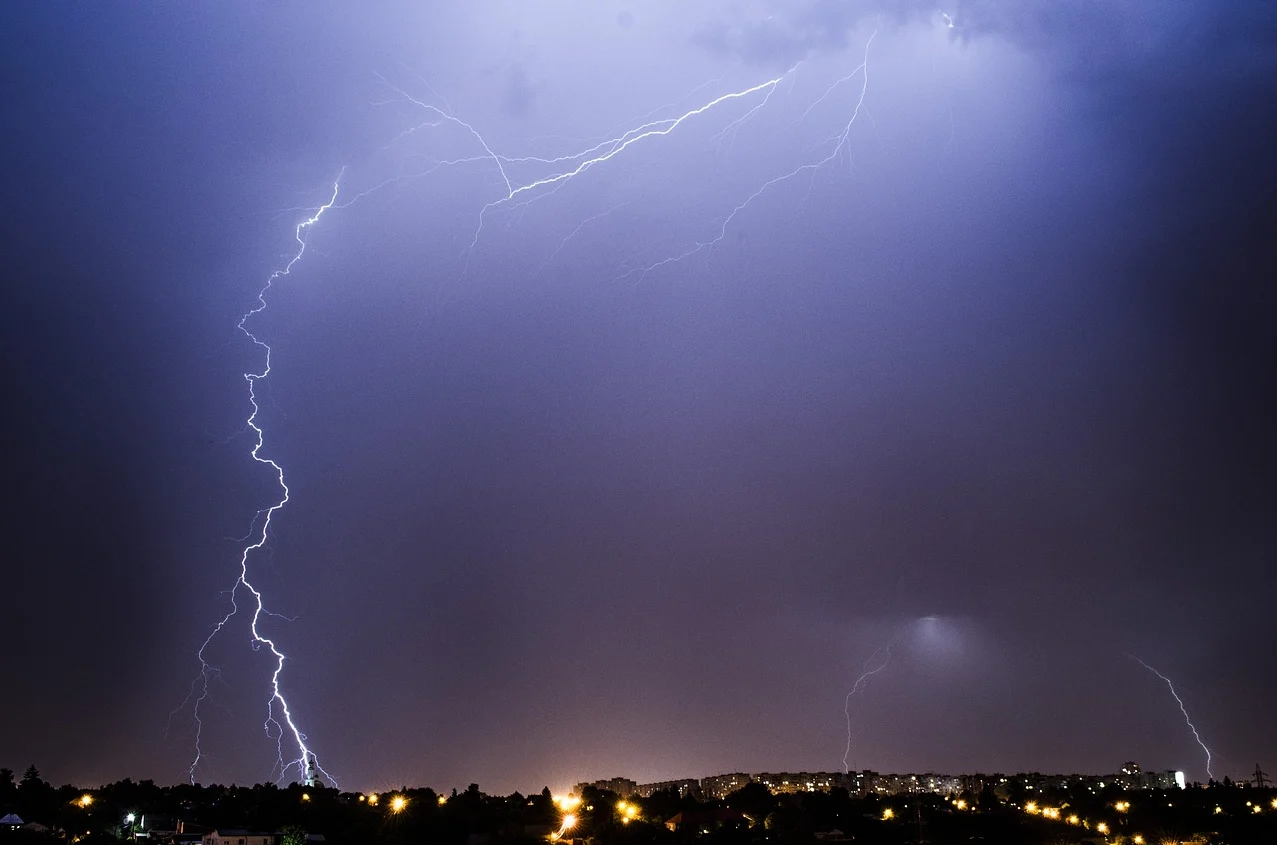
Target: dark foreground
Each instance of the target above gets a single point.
(269, 815)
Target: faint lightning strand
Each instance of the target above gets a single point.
(839, 142)
(586, 222)
(732, 129)
(608, 144)
(885, 651)
(278, 714)
(404, 177)
(448, 116)
(599, 144)
(1188, 721)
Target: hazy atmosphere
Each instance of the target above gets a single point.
(949, 340)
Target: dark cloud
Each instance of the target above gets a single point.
(789, 33)
(1119, 41)
(1184, 92)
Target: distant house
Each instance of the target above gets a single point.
(11, 821)
(707, 821)
(236, 836)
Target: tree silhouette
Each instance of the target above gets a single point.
(32, 777)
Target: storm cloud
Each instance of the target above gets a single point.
(993, 383)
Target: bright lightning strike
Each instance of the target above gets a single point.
(280, 724)
(1188, 721)
(607, 150)
(518, 190)
(865, 674)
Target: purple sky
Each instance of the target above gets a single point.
(994, 385)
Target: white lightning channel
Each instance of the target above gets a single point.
(612, 148)
(1182, 709)
(279, 723)
(865, 674)
(520, 192)
(839, 145)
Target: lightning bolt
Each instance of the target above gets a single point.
(865, 674)
(837, 147)
(607, 150)
(519, 193)
(523, 180)
(279, 724)
(1188, 721)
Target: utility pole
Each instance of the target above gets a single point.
(1261, 777)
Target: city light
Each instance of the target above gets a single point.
(130, 818)
(372, 800)
(85, 800)
(567, 802)
(443, 799)
(961, 804)
(305, 796)
(398, 803)
(1102, 828)
(569, 822)
(888, 814)
(1073, 819)
(1122, 806)
(1137, 839)
(1031, 808)
(1274, 804)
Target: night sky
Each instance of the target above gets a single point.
(993, 387)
